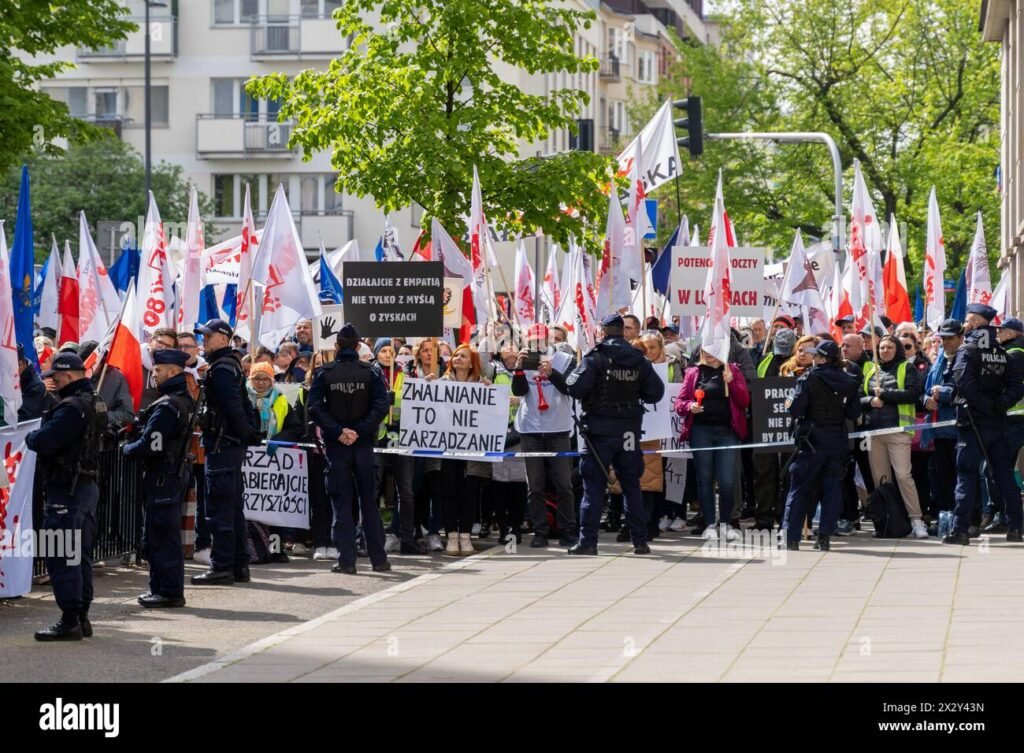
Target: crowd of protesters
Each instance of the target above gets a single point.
(441, 505)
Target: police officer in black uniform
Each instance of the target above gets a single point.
(67, 444)
(613, 382)
(227, 429)
(825, 398)
(988, 384)
(163, 445)
(348, 400)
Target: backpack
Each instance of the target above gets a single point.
(887, 512)
(257, 543)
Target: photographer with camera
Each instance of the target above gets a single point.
(824, 400)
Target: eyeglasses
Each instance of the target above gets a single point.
(909, 346)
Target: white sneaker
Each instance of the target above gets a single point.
(476, 529)
(453, 544)
(731, 534)
(434, 543)
(202, 556)
(320, 554)
(332, 553)
(299, 550)
(664, 523)
(918, 529)
(710, 534)
(678, 525)
(391, 543)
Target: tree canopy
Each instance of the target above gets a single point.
(423, 95)
(907, 87)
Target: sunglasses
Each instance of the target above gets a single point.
(909, 346)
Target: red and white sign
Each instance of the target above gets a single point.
(690, 267)
(156, 283)
(17, 548)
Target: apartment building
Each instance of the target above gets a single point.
(203, 51)
(1002, 22)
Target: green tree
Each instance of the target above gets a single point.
(107, 180)
(419, 99)
(29, 28)
(907, 87)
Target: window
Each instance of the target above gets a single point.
(332, 200)
(615, 43)
(223, 96)
(645, 67)
(235, 11)
(319, 8)
(224, 196)
(106, 103)
(75, 97)
(273, 181)
(134, 105)
(310, 194)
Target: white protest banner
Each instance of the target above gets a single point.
(17, 542)
(451, 300)
(460, 417)
(276, 487)
(658, 417)
(328, 324)
(675, 479)
(690, 267)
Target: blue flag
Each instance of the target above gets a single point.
(959, 310)
(662, 269)
(23, 268)
(378, 252)
(918, 306)
(208, 308)
(330, 288)
(37, 295)
(125, 270)
(230, 305)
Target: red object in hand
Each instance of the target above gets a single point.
(699, 394)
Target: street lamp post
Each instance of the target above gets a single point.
(149, 147)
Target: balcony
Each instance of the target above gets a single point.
(295, 38)
(163, 42)
(112, 122)
(242, 136)
(610, 68)
(611, 140)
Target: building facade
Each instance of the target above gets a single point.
(203, 52)
(1002, 22)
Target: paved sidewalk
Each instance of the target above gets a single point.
(871, 610)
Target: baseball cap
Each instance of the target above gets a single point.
(784, 342)
(214, 325)
(64, 362)
(827, 349)
(1012, 323)
(951, 328)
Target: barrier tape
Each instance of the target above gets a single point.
(682, 451)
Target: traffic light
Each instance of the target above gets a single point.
(693, 124)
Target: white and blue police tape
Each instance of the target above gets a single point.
(670, 453)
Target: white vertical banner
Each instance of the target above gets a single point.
(17, 547)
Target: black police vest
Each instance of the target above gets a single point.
(79, 461)
(348, 384)
(618, 390)
(175, 446)
(992, 362)
(213, 419)
(827, 407)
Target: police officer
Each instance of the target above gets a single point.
(163, 444)
(67, 444)
(227, 429)
(348, 400)
(988, 383)
(825, 398)
(612, 382)
(1011, 337)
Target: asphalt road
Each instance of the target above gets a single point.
(132, 644)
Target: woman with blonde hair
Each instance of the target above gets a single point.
(802, 358)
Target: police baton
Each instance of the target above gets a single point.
(590, 446)
(984, 453)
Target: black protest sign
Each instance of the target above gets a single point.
(394, 298)
(771, 421)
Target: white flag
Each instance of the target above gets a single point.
(10, 377)
(637, 222)
(979, 283)
(289, 293)
(191, 284)
(865, 242)
(156, 283)
(1000, 298)
(801, 285)
(613, 289)
(525, 305)
(716, 337)
(550, 289)
(248, 247)
(934, 267)
(49, 307)
(93, 321)
(660, 156)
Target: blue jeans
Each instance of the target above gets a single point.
(715, 465)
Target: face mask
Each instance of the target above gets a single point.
(299, 374)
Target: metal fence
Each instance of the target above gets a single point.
(119, 513)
